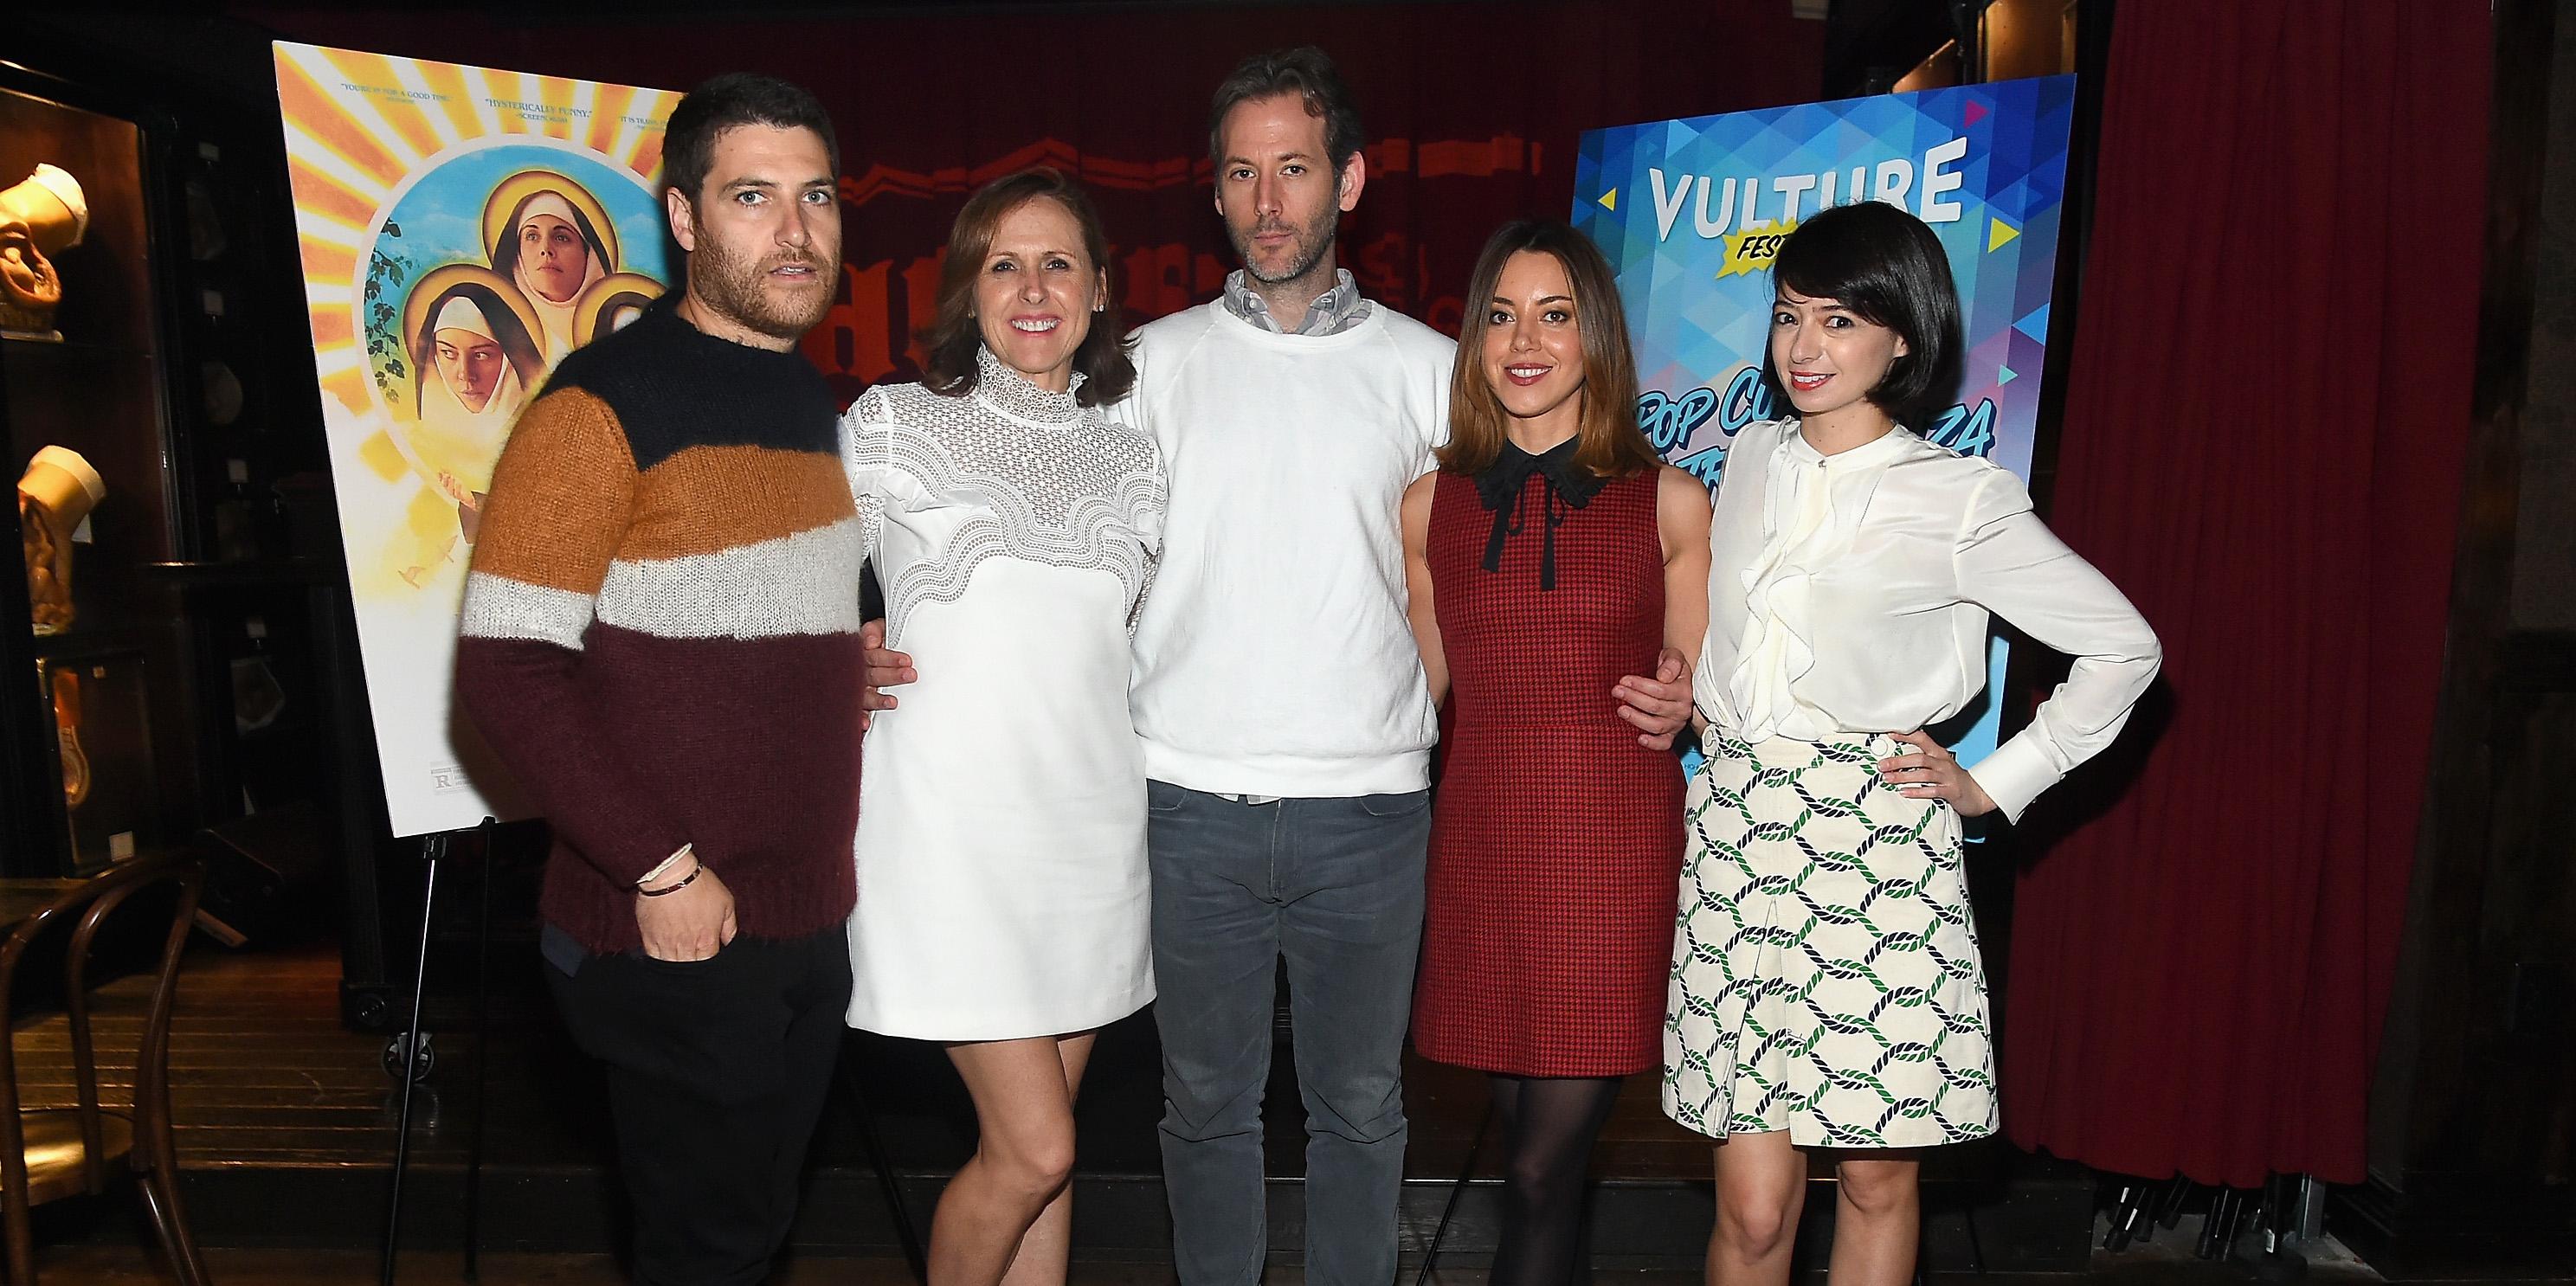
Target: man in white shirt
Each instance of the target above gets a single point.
(1286, 722)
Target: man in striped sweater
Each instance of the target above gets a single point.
(661, 641)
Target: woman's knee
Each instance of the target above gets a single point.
(1876, 1189)
(1755, 1224)
(1542, 1175)
(1034, 1160)
(1031, 1158)
(1051, 1163)
(1024, 1112)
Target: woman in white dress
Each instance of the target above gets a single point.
(1826, 988)
(1001, 848)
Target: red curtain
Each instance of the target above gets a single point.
(1472, 116)
(2268, 404)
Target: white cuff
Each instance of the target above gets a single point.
(2015, 774)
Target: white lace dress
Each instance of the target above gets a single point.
(1001, 845)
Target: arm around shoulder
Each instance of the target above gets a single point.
(1683, 511)
(1415, 518)
(1682, 516)
(1149, 352)
(1659, 704)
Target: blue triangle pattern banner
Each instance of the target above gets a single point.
(1669, 201)
(1682, 194)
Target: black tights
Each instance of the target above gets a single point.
(1549, 1124)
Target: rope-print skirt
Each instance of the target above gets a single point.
(1825, 971)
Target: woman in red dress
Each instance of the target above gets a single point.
(1551, 554)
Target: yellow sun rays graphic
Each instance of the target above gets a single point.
(428, 340)
(359, 124)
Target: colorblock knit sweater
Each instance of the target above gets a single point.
(660, 634)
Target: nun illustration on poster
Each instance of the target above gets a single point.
(609, 304)
(477, 360)
(554, 241)
(480, 339)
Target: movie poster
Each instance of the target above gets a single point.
(1690, 213)
(461, 230)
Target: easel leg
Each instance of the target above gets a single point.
(886, 1180)
(433, 849)
(1466, 1170)
(482, 1059)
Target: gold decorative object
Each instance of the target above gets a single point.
(41, 216)
(67, 717)
(54, 495)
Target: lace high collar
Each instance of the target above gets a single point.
(1006, 390)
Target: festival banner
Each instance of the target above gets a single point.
(1691, 212)
(461, 230)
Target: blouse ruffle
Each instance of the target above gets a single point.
(1777, 647)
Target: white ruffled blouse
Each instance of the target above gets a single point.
(1849, 594)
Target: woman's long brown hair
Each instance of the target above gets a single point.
(1611, 445)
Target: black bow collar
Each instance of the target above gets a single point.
(1502, 484)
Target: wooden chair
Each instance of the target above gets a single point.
(50, 1153)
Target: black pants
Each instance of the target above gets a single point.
(717, 1072)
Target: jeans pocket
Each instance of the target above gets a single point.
(1399, 805)
(1164, 797)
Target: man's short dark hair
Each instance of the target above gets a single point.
(1308, 73)
(1888, 268)
(720, 104)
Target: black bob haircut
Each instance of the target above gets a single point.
(1887, 268)
(1307, 72)
(719, 104)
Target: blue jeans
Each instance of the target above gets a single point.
(1335, 887)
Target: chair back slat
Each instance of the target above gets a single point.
(94, 902)
(149, 1060)
(152, 1057)
(84, 1045)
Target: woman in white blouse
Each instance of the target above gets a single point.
(1826, 988)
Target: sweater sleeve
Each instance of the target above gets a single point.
(562, 498)
(2009, 562)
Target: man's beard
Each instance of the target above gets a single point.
(1311, 245)
(739, 290)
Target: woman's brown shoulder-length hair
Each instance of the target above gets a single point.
(953, 336)
(1611, 445)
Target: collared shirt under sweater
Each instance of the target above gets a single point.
(1332, 312)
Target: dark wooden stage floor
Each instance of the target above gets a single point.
(122, 1266)
(286, 1122)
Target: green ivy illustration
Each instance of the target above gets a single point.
(386, 274)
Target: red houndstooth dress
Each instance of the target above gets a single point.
(1556, 839)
